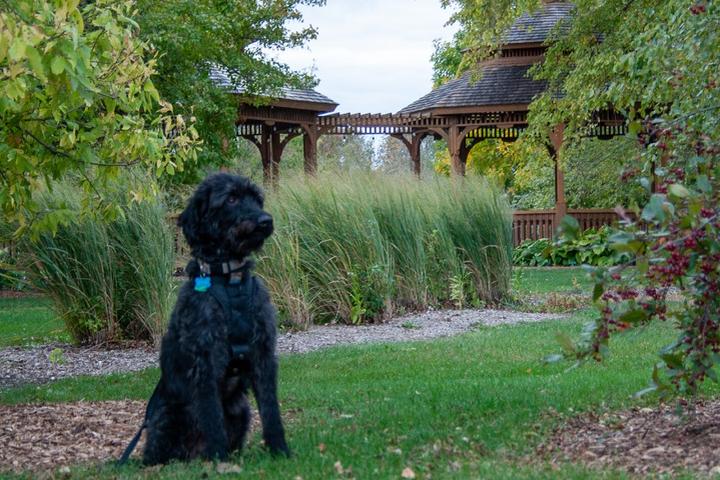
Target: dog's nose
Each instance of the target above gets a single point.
(265, 222)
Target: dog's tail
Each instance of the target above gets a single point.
(151, 407)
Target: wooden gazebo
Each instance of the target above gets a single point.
(463, 112)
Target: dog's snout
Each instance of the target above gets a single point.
(265, 222)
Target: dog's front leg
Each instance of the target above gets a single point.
(265, 389)
(209, 416)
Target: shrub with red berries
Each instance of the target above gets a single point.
(665, 82)
(674, 271)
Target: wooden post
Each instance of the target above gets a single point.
(275, 157)
(310, 139)
(266, 154)
(457, 162)
(413, 145)
(557, 137)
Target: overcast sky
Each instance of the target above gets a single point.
(372, 56)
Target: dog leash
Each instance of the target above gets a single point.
(149, 410)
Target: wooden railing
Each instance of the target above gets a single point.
(535, 224)
(594, 218)
(532, 225)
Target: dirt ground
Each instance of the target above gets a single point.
(642, 441)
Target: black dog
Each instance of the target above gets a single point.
(221, 338)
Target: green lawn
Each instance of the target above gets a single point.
(465, 407)
(29, 320)
(550, 279)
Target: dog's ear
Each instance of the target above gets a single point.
(190, 219)
(257, 193)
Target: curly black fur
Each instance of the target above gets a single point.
(201, 407)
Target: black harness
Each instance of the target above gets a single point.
(234, 287)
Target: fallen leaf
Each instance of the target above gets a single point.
(225, 467)
(408, 473)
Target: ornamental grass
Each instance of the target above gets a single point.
(358, 248)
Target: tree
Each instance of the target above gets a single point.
(657, 63)
(79, 102)
(392, 156)
(345, 153)
(240, 36)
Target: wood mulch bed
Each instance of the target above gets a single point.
(642, 441)
(48, 436)
(44, 437)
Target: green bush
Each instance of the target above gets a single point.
(590, 248)
(355, 248)
(109, 281)
(533, 253)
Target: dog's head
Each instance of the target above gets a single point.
(225, 218)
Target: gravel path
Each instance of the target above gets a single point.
(419, 326)
(20, 365)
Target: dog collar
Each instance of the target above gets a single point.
(232, 268)
(220, 268)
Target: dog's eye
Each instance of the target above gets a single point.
(232, 199)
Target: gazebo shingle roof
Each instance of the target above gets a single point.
(220, 77)
(499, 85)
(536, 27)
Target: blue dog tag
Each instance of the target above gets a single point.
(202, 284)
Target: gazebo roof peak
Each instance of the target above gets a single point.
(535, 27)
(295, 98)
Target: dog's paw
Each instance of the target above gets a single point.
(280, 450)
(216, 452)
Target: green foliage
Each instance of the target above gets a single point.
(532, 253)
(109, 281)
(446, 59)
(596, 173)
(590, 247)
(353, 249)
(78, 98)
(10, 277)
(193, 36)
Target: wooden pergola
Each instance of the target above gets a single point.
(463, 112)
